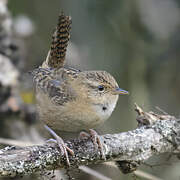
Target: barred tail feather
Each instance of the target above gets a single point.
(60, 39)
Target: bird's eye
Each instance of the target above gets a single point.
(101, 88)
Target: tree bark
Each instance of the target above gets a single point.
(155, 135)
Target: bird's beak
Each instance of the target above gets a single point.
(118, 91)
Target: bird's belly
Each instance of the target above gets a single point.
(72, 117)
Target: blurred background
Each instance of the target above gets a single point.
(136, 41)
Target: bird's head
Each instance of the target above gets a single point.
(100, 90)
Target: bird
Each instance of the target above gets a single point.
(70, 100)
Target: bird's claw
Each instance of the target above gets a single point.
(62, 146)
(96, 139)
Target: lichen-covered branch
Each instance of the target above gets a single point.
(160, 134)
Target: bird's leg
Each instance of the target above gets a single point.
(96, 139)
(63, 147)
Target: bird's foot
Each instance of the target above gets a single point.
(59, 141)
(96, 139)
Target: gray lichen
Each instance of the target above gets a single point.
(133, 146)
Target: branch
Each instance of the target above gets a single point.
(160, 134)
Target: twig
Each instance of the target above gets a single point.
(139, 173)
(138, 145)
(93, 173)
(18, 143)
(146, 175)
